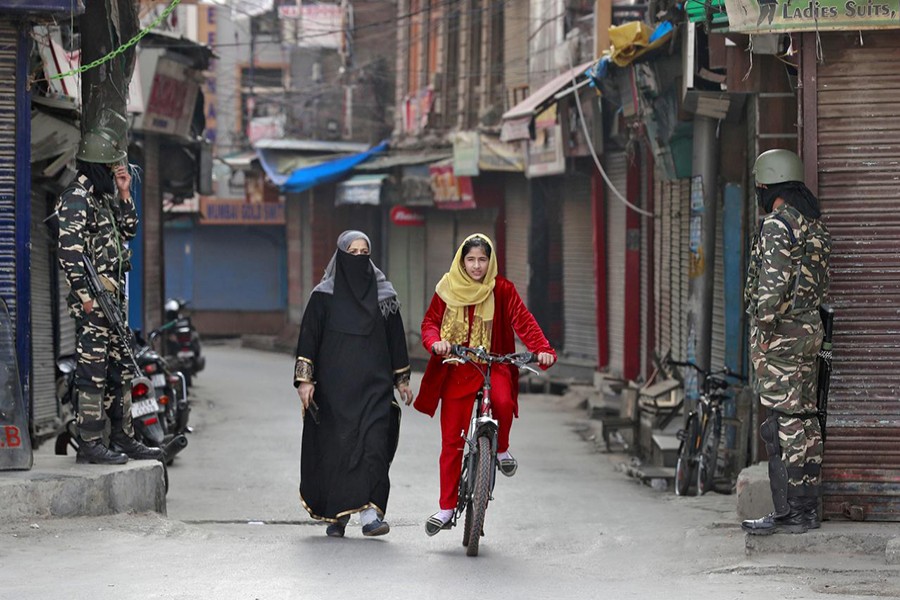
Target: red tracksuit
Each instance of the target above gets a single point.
(454, 386)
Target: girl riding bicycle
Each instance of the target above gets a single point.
(473, 306)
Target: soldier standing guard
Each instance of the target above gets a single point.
(96, 217)
(787, 282)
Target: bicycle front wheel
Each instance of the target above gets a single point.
(480, 495)
(684, 467)
(709, 454)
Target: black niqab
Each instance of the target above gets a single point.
(794, 193)
(99, 175)
(354, 308)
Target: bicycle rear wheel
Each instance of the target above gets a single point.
(480, 495)
(707, 459)
(684, 467)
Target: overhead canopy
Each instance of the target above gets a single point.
(517, 120)
(307, 177)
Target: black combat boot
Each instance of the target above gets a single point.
(811, 503)
(795, 521)
(94, 452)
(133, 448)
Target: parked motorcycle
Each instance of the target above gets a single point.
(170, 389)
(181, 341)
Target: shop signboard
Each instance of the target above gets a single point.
(753, 16)
(407, 216)
(466, 152)
(545, 153)
(173, 95)
(239, 212)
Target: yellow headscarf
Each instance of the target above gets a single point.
(459, 291)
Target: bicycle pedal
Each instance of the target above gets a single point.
(681, 434)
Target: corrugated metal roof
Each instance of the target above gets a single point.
(403, 159)
(546, 94)
(310, 146)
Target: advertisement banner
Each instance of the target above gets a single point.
(767, 16)
(451, 192)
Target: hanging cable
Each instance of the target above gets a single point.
(590, 143)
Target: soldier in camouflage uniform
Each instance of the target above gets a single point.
(787, 281)
(96, 217)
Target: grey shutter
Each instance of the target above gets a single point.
(580, 301)
(617, 171)
(43, 356)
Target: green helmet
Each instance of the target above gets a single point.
(99, 146)
(777, 166)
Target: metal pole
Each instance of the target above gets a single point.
(704, 200)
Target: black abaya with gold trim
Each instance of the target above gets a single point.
(355, 353)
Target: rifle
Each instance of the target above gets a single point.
(110, 308)
(826, 312)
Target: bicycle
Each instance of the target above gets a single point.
(698, 453)
(479, 466)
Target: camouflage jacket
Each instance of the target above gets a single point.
(98, 225)
(789, 270)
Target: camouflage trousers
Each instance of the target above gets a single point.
(102, 380)
(786, 379)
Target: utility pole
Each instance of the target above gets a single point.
(105, 26)
(702, 248)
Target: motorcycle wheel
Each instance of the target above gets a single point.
(65, 440)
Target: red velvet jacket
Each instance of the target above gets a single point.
(510, 316)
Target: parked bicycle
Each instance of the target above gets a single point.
(698, 453)
(479, 466)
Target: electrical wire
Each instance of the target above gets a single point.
(590, 144)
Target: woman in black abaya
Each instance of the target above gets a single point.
(350, 355)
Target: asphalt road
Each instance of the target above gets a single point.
(568, 525)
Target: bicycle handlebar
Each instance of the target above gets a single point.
(518, 359)
(709, 374)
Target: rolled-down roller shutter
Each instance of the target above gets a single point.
(617, 170)
(43, 354)
(579, 301)
(858, 165)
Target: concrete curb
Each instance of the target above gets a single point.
(754, 495)
(58, 487)
(870, 539)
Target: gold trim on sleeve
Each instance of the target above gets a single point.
(303, 370)
(401, 376)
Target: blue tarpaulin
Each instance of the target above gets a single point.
(305, 178)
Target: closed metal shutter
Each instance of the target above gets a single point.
(579, 298)
(518, 225)
(439, 247)
(681, 228)
(617, 170)
(8, 51)
(43, 359)
(407, 273)
(858, 102)
(662, 285)
(672, 226)
(717, 351)
(646, 233)
(479, 220)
